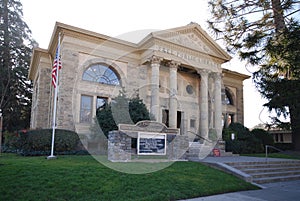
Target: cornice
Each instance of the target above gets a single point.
(234, 74)
(35, 59)
(80, 33)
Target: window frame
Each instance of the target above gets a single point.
(87, 112)
(102, 73)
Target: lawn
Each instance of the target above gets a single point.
(84, 178)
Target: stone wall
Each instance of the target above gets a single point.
(119, 146)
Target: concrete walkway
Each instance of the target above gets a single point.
(281, 191)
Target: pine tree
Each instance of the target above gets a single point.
(16, 46)
(247, 26)
(265, 33)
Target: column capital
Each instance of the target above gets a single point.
(155, 59)
(203, 72)
(173, 64)
(217, 75)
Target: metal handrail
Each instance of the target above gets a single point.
(269, 146)
(200, 136)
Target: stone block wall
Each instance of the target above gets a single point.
(119, 146)
(177, 145)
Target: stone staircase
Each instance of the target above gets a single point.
(198, 151)
(269, 171)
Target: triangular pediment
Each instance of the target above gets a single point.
(191, 37)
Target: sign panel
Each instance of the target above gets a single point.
(151, 143)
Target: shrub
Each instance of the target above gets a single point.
(244, 143)
(10, 142)
(263, 136)
(38, 142)
(284, 146)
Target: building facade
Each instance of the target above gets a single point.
(176, 72)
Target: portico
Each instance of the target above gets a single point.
(174, 98)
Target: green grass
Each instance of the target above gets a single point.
(84, 178)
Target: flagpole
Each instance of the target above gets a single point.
(55, 101)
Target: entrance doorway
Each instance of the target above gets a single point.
(165, 118)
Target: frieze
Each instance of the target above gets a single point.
(187, 57)
(147, 126)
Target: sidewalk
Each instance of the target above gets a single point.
(281, 191)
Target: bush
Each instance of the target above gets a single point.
(284, 146)
(10, 142)
(244, 143)
(38, 142)
(263, 136)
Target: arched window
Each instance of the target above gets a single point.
(102, 74)
(228, 98)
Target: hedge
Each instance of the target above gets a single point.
(38, 142)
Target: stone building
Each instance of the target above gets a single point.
(176, 72)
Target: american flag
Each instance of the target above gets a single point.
(56, 63)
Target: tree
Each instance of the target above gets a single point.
(15, 53)
(121, 110)
(265, 33)
(247, 25)
(279, 79)
(265, 137)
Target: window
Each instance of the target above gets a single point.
(227, 97)
(102, 74)
(192, 123)
(281, 137)
(189, 89)
(86, 109)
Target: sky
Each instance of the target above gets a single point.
(116, 18)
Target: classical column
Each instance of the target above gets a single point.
(154, 107)
(173, 93)
(218, 103)
(204, 103)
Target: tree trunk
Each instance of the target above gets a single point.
(278, 16)
(295, 123)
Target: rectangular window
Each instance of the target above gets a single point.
(281, 137)
(276, 137)
(86, 109)
(192, 123)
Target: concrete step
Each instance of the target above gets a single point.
(275, 169)
(269, 171)
(199, 151)
(275, 174)
(275, 179)
(264, 162)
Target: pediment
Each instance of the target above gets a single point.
(192, 37)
